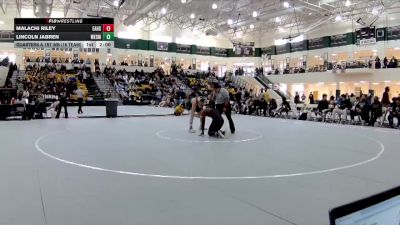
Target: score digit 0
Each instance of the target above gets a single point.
(108, 27)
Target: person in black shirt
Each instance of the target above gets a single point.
(311, 98)
(394, 111)
(63, 103)
(297, 98)
(263, 106)
(376, 111)
(323, 106)
(361, 109)
(272, 106)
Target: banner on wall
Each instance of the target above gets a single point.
(243, 48)
(203, 50)
(162, 46)
(393, 33)
(180, 48)
(338, 40)
(221, 52)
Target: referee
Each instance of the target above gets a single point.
(223, 105)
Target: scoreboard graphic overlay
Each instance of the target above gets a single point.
(64, 33)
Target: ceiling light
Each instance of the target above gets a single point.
(214, 6)
(286, 4)
(164, 11)
(183, 1)
(278, 19)
(387, 81)
(67, 52)
(338, 18)
(310, 13)
(334, 54)
(374, 50)
(348, 3)
(355, 52)
(116, 3)
(255, 14)
(397, 48)
(375, 83)
(251, 26)
(230, 21)
(192, 16)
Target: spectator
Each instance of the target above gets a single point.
(297, 98)
(376, 111)
(394, 112)
(342, 107)
(311, 98)
(385, 97)
(303, 97)
(385, 62)
(361, 109)
(272, 106)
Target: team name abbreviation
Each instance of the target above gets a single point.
(33, 28)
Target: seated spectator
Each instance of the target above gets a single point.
(376, 111)
(285, 107)
(323, 106)
(263, 107)
(272, 106)
(361, 109)
(394, 112)
(343, 105)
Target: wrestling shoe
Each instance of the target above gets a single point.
(192, 131)
(221, 134)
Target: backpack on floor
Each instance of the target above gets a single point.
(303, 116)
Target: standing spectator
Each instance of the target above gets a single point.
(377, 63)
(303, 97)
(297, 98)
(223, 105)
(311, 98)
(385, 97)
(80, 96)
(385, 62)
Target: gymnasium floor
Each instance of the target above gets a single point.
(150, 170)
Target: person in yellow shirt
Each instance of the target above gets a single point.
(179, 110)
